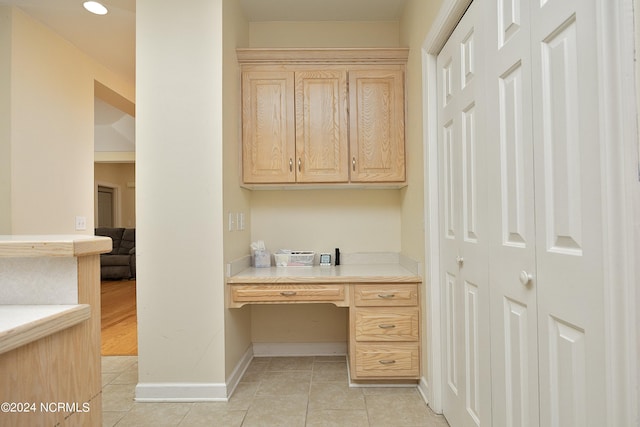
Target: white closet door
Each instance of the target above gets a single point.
(464, 242)
(569, 255)
(514, 328)
(543, 178)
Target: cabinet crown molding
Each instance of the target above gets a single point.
(322, 55)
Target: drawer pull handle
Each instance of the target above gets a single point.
(386, 326)
(386, 362)
(386, 296)
(288, 293)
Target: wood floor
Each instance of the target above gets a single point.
(119, 320)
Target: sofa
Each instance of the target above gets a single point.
(120, 263)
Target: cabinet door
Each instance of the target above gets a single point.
(376, 109)
(321, 126)
(268, 133)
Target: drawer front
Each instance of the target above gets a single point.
(286, 293)
(387, 324)
(387, 360)
(386, 295)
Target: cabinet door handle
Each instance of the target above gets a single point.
(353, 163)
(299, 165)
(290, 165)
(386, 326)
(386, 296)
(386, 362)
(288, 293)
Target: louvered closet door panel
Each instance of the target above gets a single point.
(463, 226)
(514, 362)
(568, 213)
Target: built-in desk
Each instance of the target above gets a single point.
(50, 330)
(384, 310)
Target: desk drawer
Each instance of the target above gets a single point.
(287, 293)
(387, 324)
(387, 360)
(386, 295)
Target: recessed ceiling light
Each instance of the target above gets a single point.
(95, 7)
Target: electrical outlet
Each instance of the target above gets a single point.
(81, 223)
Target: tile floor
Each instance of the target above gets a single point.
(274, 391)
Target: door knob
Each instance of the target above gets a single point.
(460, 260)
(525, 278)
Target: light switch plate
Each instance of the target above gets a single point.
(232, 221)
(240, 221)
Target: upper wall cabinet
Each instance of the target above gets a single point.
(323, 116)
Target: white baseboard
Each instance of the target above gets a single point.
(238, 372)
(181, 392)
(262, 349)
(423, 389)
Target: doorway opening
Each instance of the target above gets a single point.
(114, 181)
(106, 206)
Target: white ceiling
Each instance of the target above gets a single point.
(114, 130)
(110, 39)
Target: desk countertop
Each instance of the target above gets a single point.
(354, 273)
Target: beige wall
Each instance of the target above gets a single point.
(119, 175)
(236, 199)
(50, 128)
(6, 26)
(324, 34)
(636, 188)
(179, 169)
(416, 22)
(321, 220)
(326, 323)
